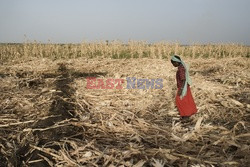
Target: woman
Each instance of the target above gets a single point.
(184, 99)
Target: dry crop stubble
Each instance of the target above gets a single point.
(122, 127)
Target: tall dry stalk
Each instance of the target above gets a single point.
(117, 49)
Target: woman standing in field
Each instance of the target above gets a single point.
(184, 99)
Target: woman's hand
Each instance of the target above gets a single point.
(180, 92)
(182, 86)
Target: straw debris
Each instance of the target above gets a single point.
(49, 118)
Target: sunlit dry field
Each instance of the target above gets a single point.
(48, 116)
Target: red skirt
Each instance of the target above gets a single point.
(186, 106)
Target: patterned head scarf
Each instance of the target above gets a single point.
(188, 80)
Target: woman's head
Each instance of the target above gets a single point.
(176, 60)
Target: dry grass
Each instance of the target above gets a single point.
(49, 118)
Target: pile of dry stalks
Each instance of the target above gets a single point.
(49, 118)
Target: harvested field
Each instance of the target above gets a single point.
(49, 118)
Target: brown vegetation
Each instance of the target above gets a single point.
(49, 118)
